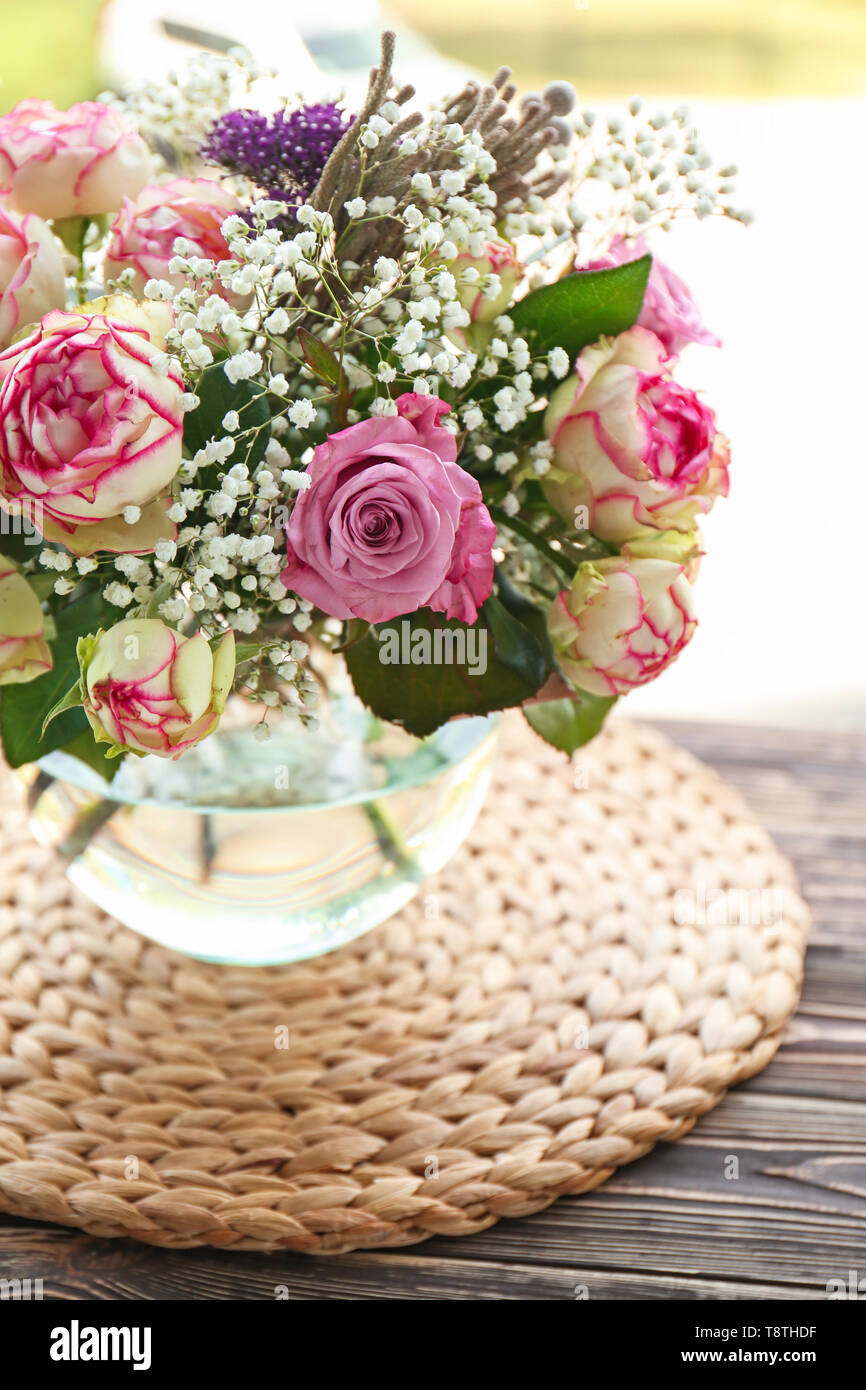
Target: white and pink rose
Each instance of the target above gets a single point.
(623, 620)
(32, 272)
(89, 429)
(147, 689)
(143, 234)
(633, 449)
(488, 288)
(75, 163)
(24, 653)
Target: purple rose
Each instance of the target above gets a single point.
(390, 522)
(668, 310)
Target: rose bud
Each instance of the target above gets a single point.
(24, 653)
(147, 689)
(633, 450)
(499, 260)
(621, 623)
(682, 547)
(75, 163)
(486, 285)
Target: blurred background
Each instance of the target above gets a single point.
(778, 88)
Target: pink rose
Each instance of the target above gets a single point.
(147, 689)
(79, 162)
(144, 232)
(632, 448)
(668, 310)
(89, 428)
(32, 272)
(390, 523)
(621, 623)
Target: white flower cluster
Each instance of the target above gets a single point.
(177, 111)
(638, 170)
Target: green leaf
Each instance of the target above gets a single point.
(71, 700)
(354, 630)
(23, 707)
(583, 307)
(533, 618)
(43, 587)
(217, 396)
(248, 651)
(20, 541)
(87, 750)
(161, 595)
(420, 670)
(319, 358)
(72, 231)
(569, 724)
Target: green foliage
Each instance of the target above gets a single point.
(71, 699)
(583, 307)
(20, 541)
(95, 755)
(217, 396)
(24, 708)
(570, 723)
(499, 661)
(319, 358)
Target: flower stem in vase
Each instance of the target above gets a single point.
(390, 842)
(87, 825)
(208, 848)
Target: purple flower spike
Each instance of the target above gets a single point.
(284, 153)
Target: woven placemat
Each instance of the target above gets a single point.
(573, 987)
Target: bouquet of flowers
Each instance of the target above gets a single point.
(394, 384)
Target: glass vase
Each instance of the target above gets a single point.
(252, 852)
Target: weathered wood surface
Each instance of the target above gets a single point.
(765, 1199)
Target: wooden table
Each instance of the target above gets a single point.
(674, 1225)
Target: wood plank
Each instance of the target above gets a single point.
(747, 1115)
(131, 1272)
(768, 745)
(737, 1242)
(820, 1056)
(834, 979)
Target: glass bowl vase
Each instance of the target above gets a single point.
(254, 852)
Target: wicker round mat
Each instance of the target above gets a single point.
(573, 987)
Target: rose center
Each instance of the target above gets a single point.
(75, 402)
(375, 525)
(678, 434)
(129, 703)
